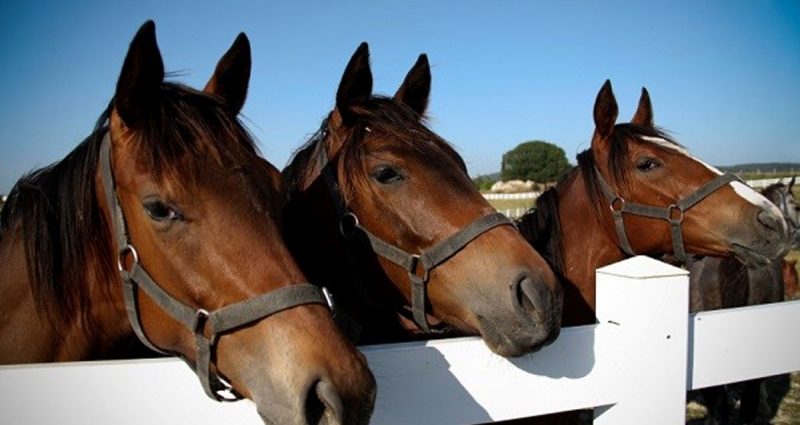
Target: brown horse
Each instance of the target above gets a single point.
(637, 191)
(169, 189)
(790, 279)
(382, 210)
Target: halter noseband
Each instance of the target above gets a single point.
(197, 320)
(673, 214)
(418, 266)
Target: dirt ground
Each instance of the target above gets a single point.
(781, 405)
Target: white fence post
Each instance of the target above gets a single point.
(652, 360)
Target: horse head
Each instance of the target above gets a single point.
(400, 200)
(662, 199)
(203, 212)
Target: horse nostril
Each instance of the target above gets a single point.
(770, 221)
(525, 296)
(323, 405)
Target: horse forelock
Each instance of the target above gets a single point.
(186, 131)
(618, 163)
(379, 117)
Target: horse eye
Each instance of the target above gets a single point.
(159, 211)
(385, 174)
(647, 164)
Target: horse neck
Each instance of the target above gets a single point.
(587, 246)
(312, 233)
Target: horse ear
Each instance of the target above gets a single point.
(356, 85)
(232, 75)
(141, 76)
(416, 88)
(791, 182)
(605, 110)
(644, 113)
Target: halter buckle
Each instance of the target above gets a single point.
(200, 318)
(328, 297)
(123, 252)
(414, 264)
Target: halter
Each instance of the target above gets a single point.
(418, 266)
(197, 320)
(673, 214)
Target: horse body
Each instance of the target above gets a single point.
(374, 180)
(203, 211)
(717, 283)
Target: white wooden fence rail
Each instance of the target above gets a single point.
(633, 367)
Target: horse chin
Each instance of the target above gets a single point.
(751, 257)
(502, 343)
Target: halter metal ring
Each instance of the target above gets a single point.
(617, 201)
(675, 209)
(348, 224)
(123, 252)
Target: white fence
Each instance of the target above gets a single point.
(514, 212)
(520, 195)
(633, 367)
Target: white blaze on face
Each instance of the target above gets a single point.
(746, 192)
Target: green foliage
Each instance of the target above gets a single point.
(535, 160)
(484, 183)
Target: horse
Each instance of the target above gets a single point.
(636, 190)
(782, 195)
(159, 225)
(371, 213)
(790, 279)
(717, 283)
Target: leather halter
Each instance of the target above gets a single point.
(673, 214)
(197, 320)
(418, 266)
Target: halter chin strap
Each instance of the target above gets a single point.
(199, 321)
(673, 214)
(418, 266)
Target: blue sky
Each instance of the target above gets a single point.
(724, 76)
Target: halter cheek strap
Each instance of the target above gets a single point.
(418, 266)
(197, 320)
(673, 214)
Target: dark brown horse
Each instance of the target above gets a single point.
(170, 186)
(638, 191)
(382, 210)
(717, 283)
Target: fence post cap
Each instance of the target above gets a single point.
(642, 266)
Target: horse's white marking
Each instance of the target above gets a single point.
(746, 192)
(666, 144)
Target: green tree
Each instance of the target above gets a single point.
(535, 160)
(484, 183)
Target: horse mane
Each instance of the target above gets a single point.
(774, 192)
(66, 236)
(541, 226)
(379, 115)
(617, 160)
